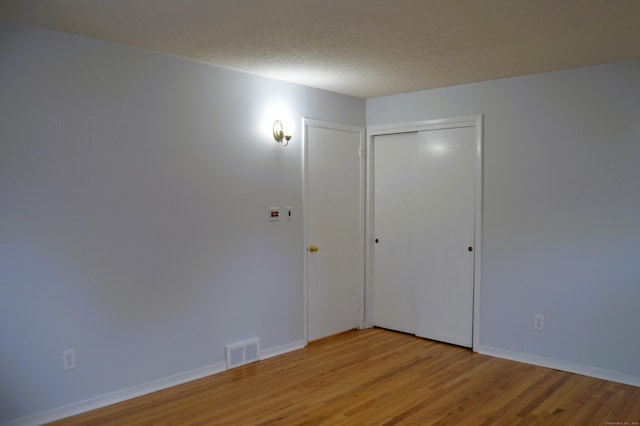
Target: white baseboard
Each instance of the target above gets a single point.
(281, 350)
(585, 370)
(147, 388)
(144, 389)
(118, 396)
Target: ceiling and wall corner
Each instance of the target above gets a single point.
(361, 48)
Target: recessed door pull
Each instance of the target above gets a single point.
(377, 241)
(470, 248)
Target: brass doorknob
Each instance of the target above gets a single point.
(313, 249)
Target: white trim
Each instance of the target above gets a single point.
(118, 396)
(281, 350)
(305, 236)
(368, 220)
(360, 131)
(476, 121)
(477, 260)
(585, 370)
(418, 126)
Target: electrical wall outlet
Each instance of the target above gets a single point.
(69, 359)
(538, 322)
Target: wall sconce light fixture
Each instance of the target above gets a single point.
(279, 133)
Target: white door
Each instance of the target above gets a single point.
(334, 190)
(394, 268)
(424, 222)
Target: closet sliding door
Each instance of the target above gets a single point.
(424, 216)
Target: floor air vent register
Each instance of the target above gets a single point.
(242, 353)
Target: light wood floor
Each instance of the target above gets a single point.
(376, 377)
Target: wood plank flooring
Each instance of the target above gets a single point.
(379, 377)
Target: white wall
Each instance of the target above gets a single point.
(561, 231)
(134, 190)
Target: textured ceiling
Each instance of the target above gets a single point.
(364, 48)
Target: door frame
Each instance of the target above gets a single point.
(360, 131)
(476, 121)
